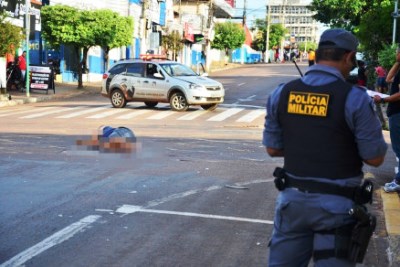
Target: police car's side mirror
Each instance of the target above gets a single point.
(158, 75)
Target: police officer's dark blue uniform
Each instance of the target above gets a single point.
(325, 129)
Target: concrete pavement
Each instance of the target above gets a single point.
(390, 202)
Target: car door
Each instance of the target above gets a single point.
(135, 80)
(155, 84)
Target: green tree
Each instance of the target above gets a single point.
(228, 36)
(259, 42)
(64, 25)
(307, 45)
(172, 42)
(369, 19)
(375, 29)
(111, 31)
(10, 36)
(386, 57)
(340, 13)
(276, 34)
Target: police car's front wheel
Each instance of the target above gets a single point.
(118, 99)
(178, 102)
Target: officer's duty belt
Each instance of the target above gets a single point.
(359, 194)
(308, 186)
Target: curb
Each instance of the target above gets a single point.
(391, 203)
(65, 91)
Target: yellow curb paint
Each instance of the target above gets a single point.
(391, 208)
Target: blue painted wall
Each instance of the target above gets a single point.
(248, 57)
(34, 51)
(137, 48)
(96, 64)
(135, 1)
(162, 13)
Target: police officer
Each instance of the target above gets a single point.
(325, 129)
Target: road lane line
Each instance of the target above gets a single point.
(133, 114)
(41, 114)
(161, 115)
(106, 113)
(226, 114)
(78, 113)
(192, 115)
(251, 116)
(128, 209)
(13, 112)
(240, 84)
(51, 241)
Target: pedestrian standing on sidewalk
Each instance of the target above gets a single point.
(381, 79)
(325, 128)
(311, 57)
(393, 113)
(22, 65)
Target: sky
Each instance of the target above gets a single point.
(254, 9)
(257, 9)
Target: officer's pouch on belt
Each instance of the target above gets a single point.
(280, 178)
(363, 194)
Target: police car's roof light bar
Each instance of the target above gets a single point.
(152, 56)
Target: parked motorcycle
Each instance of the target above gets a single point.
(15, 80)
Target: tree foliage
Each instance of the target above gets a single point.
(172, 43)
(370, 20)
(82, 29)
(340, 13)
(10, 36)
(276, 34)
(387, 56)
(228, 36)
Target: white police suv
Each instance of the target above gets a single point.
(153, 81)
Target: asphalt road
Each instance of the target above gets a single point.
(199, 192)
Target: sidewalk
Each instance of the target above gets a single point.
(63, 90)
(390, 208)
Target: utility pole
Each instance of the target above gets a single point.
(27, 25)
(244, 29)
(268, 20)
(395, 16)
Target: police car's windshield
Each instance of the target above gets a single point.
(176, 69)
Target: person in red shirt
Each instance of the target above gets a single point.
(381, 79)
(22, 64)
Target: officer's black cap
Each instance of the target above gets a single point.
(338, 38)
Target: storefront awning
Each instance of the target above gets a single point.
(223, 9)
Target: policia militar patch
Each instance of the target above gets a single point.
(305, 103)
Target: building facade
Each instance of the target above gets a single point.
(294, 16)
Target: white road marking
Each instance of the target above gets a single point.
(226, 114)
(51, 241)
(41, 114)
(240, 84)
(25, 111)
(161, 115)
(78, 113)
(247, 99)
(133, 114)
(106, 113)
(192, 115)
(251, 116)
(128, 209)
